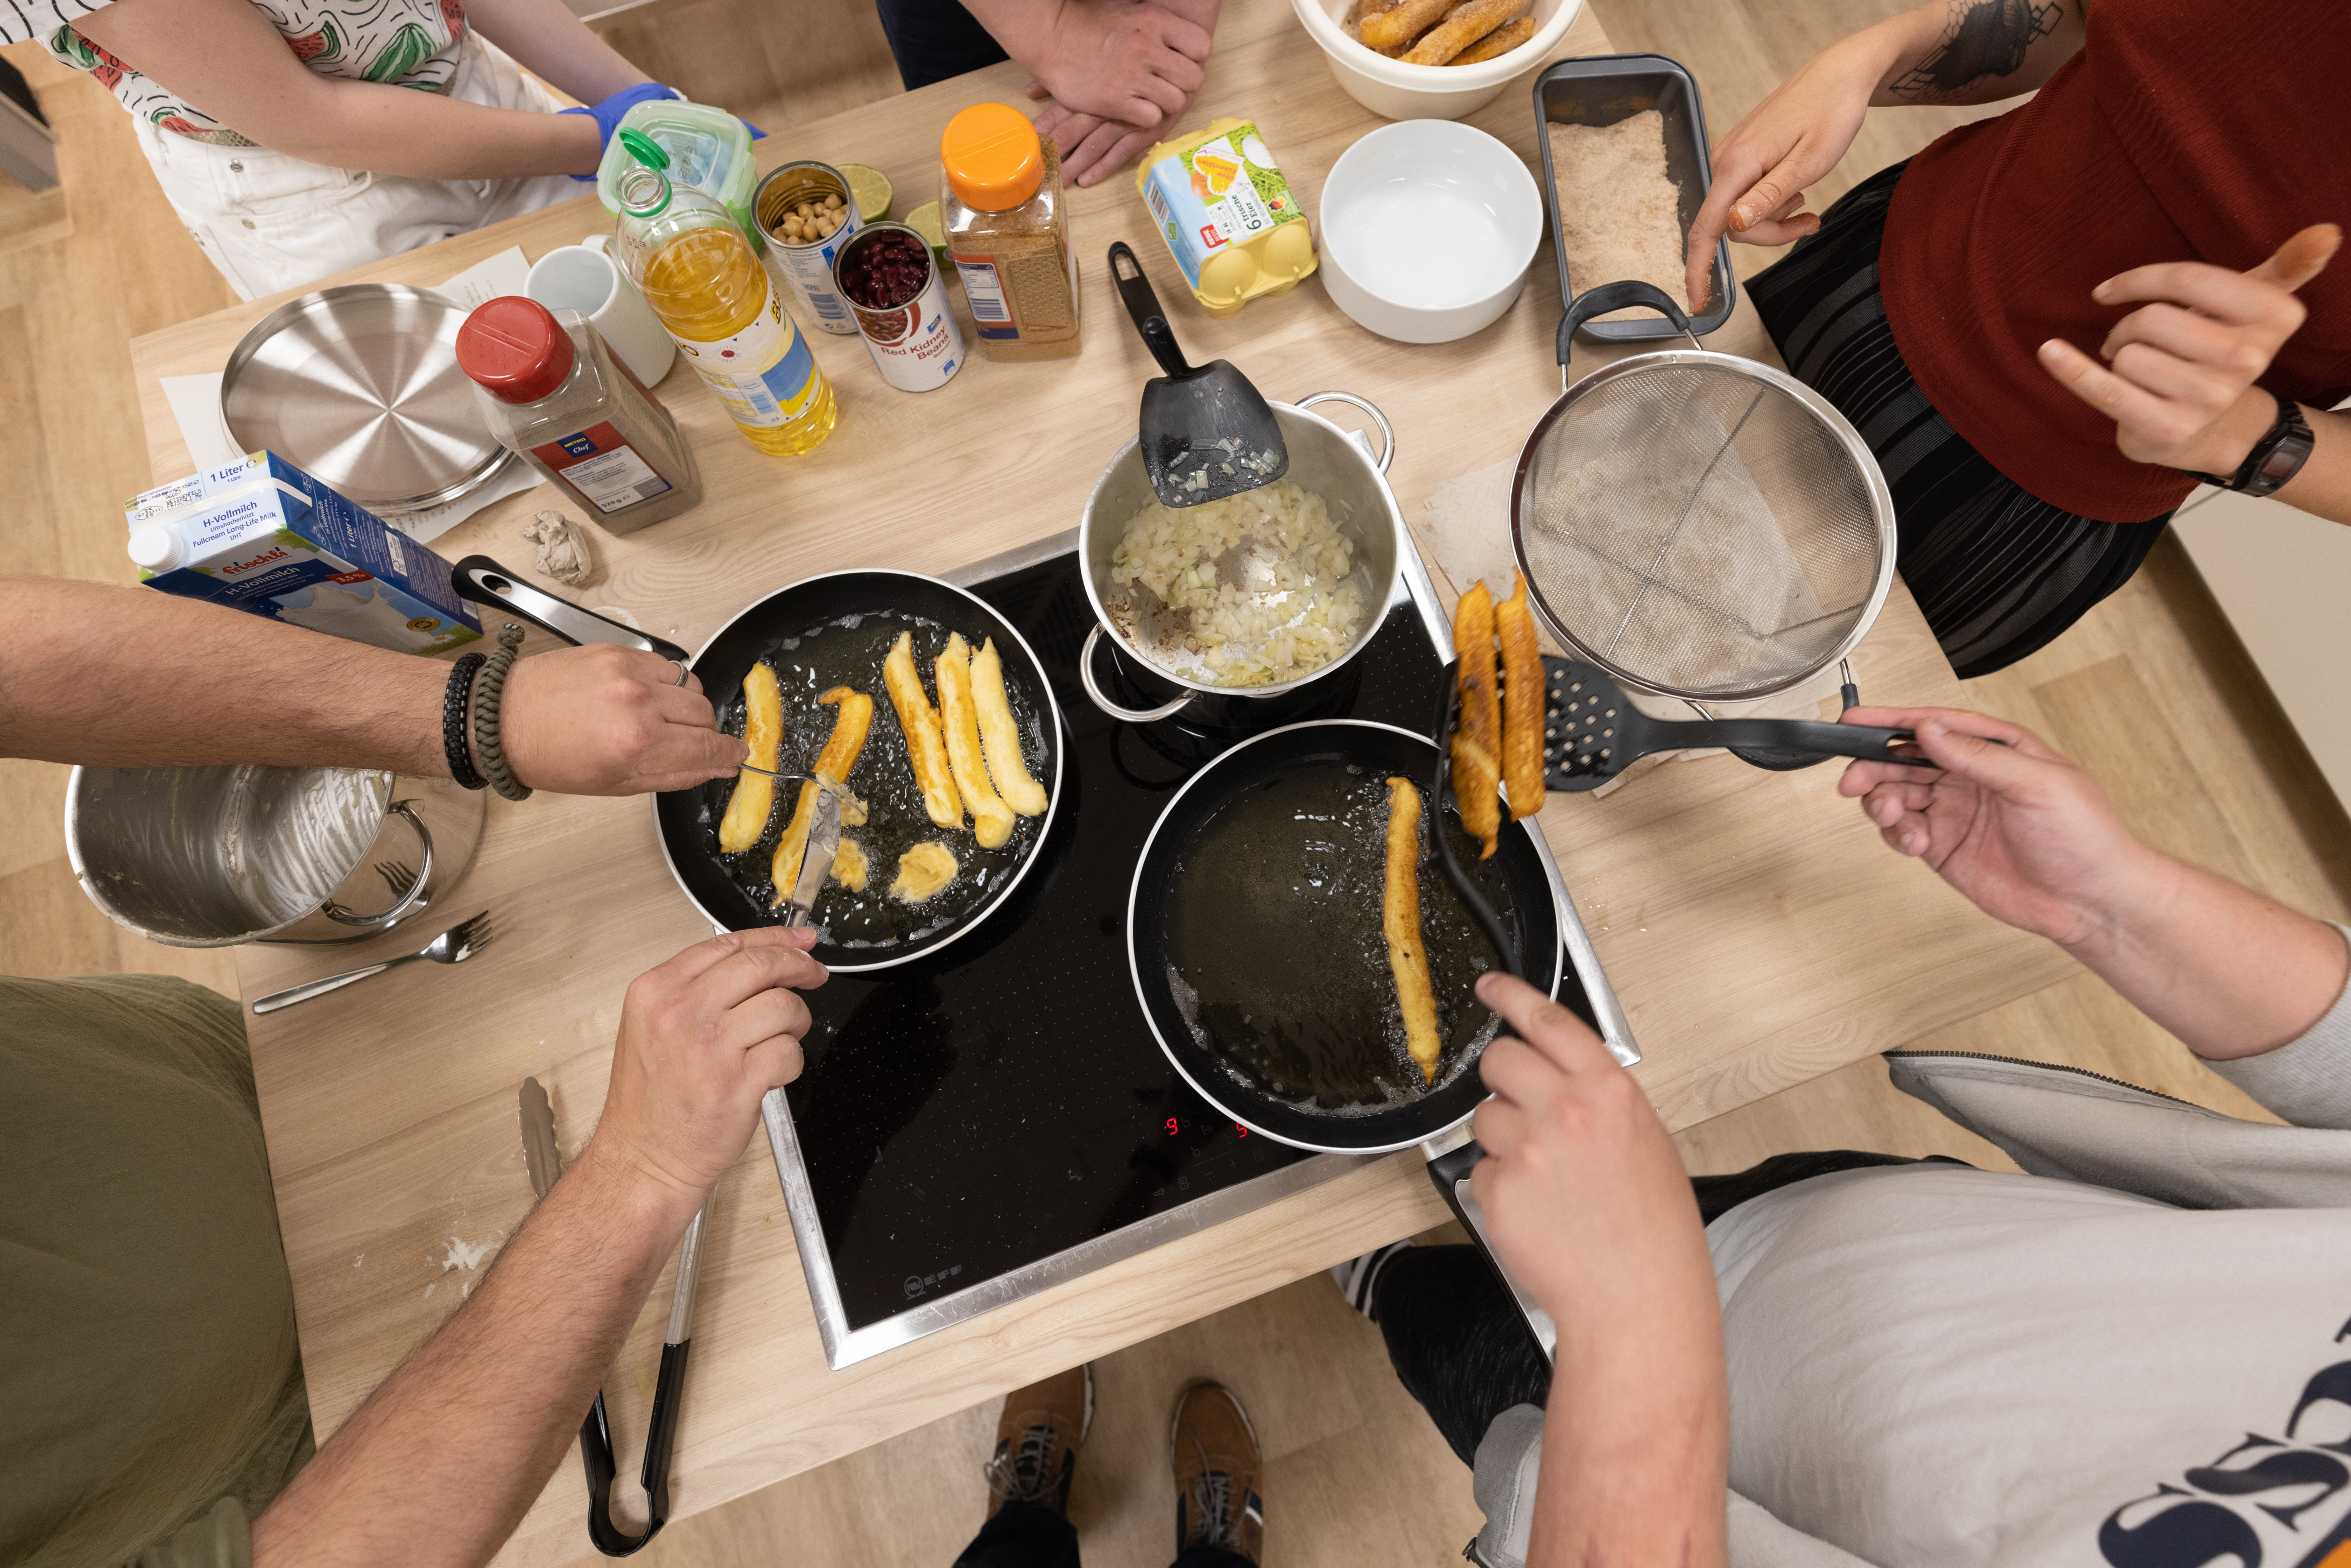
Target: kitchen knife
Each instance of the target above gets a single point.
(816, 862)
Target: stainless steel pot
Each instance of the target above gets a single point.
(212, 857)
(1335, 464)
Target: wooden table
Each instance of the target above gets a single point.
(1755, 929)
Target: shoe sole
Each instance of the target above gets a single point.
(1088, 1427)
(1177, 1420)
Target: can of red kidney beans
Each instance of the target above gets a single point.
(892, 286)
(808, 261)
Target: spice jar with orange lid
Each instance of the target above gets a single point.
(1007, 228)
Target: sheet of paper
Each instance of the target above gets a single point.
(196, 407)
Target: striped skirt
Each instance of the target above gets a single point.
(1997, 572)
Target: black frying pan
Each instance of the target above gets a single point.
(858, 934)
(1253, 930)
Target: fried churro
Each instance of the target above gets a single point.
(999, 736)
(1478, 741)
(1400, 919)
(926, 748)
(840, 755)
(1525, 701)
(753, 799)
(1500, 41)
(1462, 27)
(1402, 23)
(991, 818)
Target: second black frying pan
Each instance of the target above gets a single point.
(820, 632)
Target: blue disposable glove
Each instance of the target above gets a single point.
(609, 112)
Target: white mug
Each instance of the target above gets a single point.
(586, 279)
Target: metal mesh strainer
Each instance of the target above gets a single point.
(1701, 526)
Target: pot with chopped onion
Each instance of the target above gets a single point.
(1250, 597)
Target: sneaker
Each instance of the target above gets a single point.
(1215, 1452)
(1358, 1275)
(1037, 1440)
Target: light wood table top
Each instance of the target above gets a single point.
(1753, 926)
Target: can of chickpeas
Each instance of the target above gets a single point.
(891, 282)
(807, 214)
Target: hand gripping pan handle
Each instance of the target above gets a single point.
(485, 581)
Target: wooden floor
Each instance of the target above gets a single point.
(2151, 691)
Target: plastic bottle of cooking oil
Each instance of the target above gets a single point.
(692, 266)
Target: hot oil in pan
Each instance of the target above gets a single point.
(1278, 957)
(849, 652)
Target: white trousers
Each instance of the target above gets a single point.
(271, 221)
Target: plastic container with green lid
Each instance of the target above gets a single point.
(708, 148)
(1230, 220)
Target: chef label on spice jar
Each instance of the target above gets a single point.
(894, 289)
(603, 468)
(764, 374)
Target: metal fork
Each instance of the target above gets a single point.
(455, 946)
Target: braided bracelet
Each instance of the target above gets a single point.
(453, 723)
(486, 697)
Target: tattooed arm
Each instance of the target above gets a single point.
(1945, 51)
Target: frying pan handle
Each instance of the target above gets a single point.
(1142, 305)
(1610, 297)
(1101, 699)
(1451, 1174)
(485, 581)
(1820, 740)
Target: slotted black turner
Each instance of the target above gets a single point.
(1207, 432)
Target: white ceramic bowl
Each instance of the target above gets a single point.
(1428, 227)
(1398, 91)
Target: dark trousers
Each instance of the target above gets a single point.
(934, 39)
(1455, 1336)
(1031, 1535)
(1997, 571)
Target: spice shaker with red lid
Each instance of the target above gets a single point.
(553, 394)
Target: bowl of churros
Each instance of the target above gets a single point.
(1433, 59)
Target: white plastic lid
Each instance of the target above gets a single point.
(156, 548)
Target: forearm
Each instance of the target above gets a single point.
(399, 130)
(1021, 27)
(485, 1410)
(1967, 51)
(1636, 1449)
(2228, 972)
(557, 45)
(192, 682)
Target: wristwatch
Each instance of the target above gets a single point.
(2275, 458)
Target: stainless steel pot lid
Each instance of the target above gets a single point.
(360, 386)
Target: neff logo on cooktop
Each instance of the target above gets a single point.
(917, 1284)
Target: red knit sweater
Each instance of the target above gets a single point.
(2184, 130)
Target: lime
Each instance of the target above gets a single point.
(925, 221)
(870, 187)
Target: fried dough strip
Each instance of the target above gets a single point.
(1500, 41)
(748, 808)
(991, 818)
(1462, 26)
(924, 872)
(1524, 701)
(926, 749)
(1478, 743)
(840, 755)
(999, 736)
(850, 866)
(1404, 22)
(1400, 919)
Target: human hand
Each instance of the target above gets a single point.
(2181, 387)
(703, 1038)
(1092, 149)
(1793, 138)
(2025, 834)
(1584, 1196)
(607, 720)
(609, 113)
(1123, 60)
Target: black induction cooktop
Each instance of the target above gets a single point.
(972, 1128)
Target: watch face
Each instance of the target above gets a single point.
(2279, 455)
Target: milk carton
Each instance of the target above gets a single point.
(261, 535)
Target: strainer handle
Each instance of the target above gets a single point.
(1610, 297)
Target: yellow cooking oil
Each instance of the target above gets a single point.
(685, 255)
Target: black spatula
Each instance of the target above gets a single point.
(1207, 432)
(1590, 733)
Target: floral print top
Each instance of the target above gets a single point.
(407, 42)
